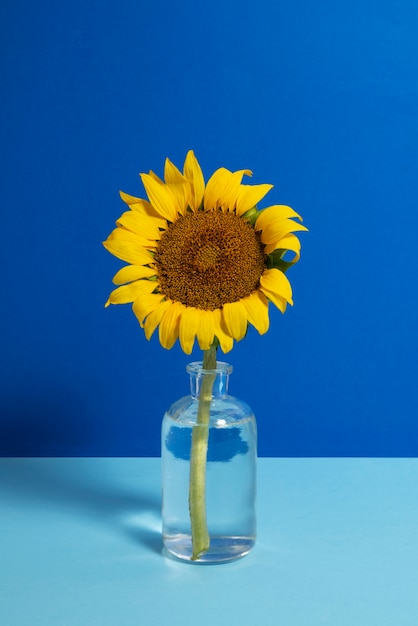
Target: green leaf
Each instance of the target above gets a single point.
(275, 259)
(251, 215)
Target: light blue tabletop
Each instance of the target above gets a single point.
(80, 546)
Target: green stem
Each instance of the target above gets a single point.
(198, 454)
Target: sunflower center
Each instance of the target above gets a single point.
(209, 258)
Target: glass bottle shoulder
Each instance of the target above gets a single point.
(224, 411)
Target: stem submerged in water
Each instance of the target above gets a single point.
(198, 454)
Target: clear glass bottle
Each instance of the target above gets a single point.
(230, 470)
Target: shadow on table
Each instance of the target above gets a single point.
(87, 487)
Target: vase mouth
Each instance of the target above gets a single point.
(197, 368)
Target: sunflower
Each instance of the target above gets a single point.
(203, 261)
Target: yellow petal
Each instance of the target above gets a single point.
(182, 193)
(141, 224)
(143, 206)
(178, 185)
(274, 213)
(274, 231)
(133, 272)
(129, 293)
(231, 186)
(273, 281)
(122, 234)
(288, 242)
(130, 200)
(256, 306)
(155, 177)
(169, 325)
(277, 300)
(193, 173)
(171, 173)
(222, 189)
(213, 188)
(226, 342)
(249, 196)
(154, 318)
(145, 304)
(206, 329)
(127, 246)
(161, 197)
(189, 323)
(236, 320)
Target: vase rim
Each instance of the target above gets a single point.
(221, 368)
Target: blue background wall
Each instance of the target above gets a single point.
(319, 98)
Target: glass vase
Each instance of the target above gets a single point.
(224, 483)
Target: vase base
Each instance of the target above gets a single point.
(222, 549)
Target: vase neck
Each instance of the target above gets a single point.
(220, 377)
